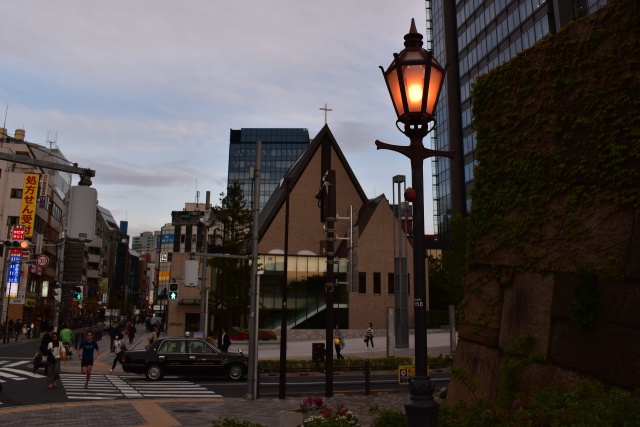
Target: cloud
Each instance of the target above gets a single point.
(145, 92)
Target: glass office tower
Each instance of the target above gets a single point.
(473, 37)
(281, 148)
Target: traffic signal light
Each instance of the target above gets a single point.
(17, 244)
(173, 291)
(77, 293)
(57, 294)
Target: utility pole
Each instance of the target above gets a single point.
(252, 383)
(330, 217)
(204, 291)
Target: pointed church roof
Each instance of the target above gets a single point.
(324, 140)
(365, 214)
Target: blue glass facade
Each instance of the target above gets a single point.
(281, 148)
(489, 33)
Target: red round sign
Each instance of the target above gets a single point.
(42, 261)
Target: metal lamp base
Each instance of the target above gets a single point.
(422, 410)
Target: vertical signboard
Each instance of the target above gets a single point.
(81, 215)
(14, 266)
(29, 199)
(44, 185)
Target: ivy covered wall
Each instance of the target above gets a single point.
(555, 231)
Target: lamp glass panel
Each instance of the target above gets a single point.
(434, 89)
(413, 55)
(391, 76)
(414, 86)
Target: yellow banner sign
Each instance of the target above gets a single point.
(163, 276)
(27, 216)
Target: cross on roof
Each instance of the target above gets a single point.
(325, 109)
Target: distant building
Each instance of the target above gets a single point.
(281, 147)
(146, 243)
(32, 291)
(180, 241)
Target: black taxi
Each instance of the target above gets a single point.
(185, 356)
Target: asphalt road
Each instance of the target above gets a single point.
(23, 387)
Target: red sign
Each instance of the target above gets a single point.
(42, 261)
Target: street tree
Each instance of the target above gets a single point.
(229, 300)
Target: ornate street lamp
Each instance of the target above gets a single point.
(414, 80)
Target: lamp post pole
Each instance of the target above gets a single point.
(282, 389)
(414, 80)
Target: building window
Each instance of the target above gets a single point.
(377, 283)
(56, 212)
(362, 282)
(16, 193)
(12, 220)
(391, 284)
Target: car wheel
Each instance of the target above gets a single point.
(154, 372)
(235, 372)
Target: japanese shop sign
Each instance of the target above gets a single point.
(29, 199)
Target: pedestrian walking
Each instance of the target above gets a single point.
(99, 330)
(78, 333)
(44, 349)
(17, 328)
(55, 354)
(131, 331)
(113, 333)
(66, 336)
(338, 341)
(120, 348)
(87, 348)
(225, 341)
(10, 330)
(151, 338)
(368, 337)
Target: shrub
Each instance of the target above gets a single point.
(311, 404)
(351, 363)
(387, 417)
(442, 393)
(329, 417)
(587, 404)
(234, 422)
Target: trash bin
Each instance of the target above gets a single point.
(317, 352)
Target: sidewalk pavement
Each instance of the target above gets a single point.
(203, 411)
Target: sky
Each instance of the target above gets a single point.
(145, 92)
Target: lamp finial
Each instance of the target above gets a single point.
(413, 38)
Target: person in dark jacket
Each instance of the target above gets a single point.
(225, 341)
(132, 332)
(17, 328)
(113, 333)
(44, 349)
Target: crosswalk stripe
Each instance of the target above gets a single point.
(105, 387)
(21, 362)
(22, 372)
(11, 376)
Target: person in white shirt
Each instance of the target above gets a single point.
(55, 353)
(120, 348)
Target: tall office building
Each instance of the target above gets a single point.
(281, 148)
(473, 37)
(146, 243)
